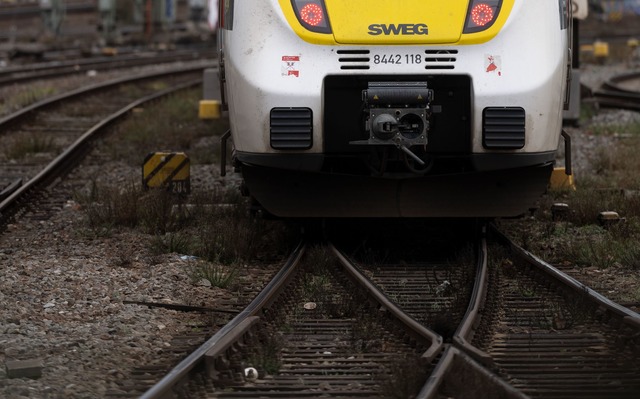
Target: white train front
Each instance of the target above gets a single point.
(395, 108)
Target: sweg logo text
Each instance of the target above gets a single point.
(399, 29)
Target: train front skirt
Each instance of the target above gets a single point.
(500, 193)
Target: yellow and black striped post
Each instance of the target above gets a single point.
(170, 170)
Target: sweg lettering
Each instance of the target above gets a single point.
(399, 29)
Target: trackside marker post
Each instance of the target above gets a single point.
(169, 170)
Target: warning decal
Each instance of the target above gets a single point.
(493, 64)
(290, 65)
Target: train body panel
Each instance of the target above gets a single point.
(367, 108)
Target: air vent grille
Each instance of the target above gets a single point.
(291, 128)
(353, 59)
(440, 59)
(503, 127)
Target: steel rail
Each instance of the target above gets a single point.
(614, 95)
(457, 366)
(614, 82)
(24, 73)
(620, 100)
(432, 387)
(11, 188)
(418, 329)
(230, 332)
(619, 95)
(628, 316)
(464, 333)
(53, 169)
(96, 60)
(24, 112)
(554, 336)
(463, 354)
(454, 361)
(226, 342)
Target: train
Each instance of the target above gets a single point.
(395, 109)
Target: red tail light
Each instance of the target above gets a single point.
(312, 14)
(481, 15)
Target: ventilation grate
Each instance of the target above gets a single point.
(353, 59)
(503, 127)
(291, 128)
(440, 59)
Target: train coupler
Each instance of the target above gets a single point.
(397, 114)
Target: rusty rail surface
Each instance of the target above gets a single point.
(551, 336)
(15, 117)
(47, 70)
(229, 334)
(395, 311)
(72, 154)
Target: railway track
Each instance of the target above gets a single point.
(529, 331)
(55, 69)
(551, 337)
(621, 91)
(540, 334)
(335, 345)
(72, 121)
(145, 376)
(434, 293)
(532, 311)
(332, 340)
(76, 121)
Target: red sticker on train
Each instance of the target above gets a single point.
(290, 65)
(493, 64)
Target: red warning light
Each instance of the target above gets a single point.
(312, 14)
(481, 14)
